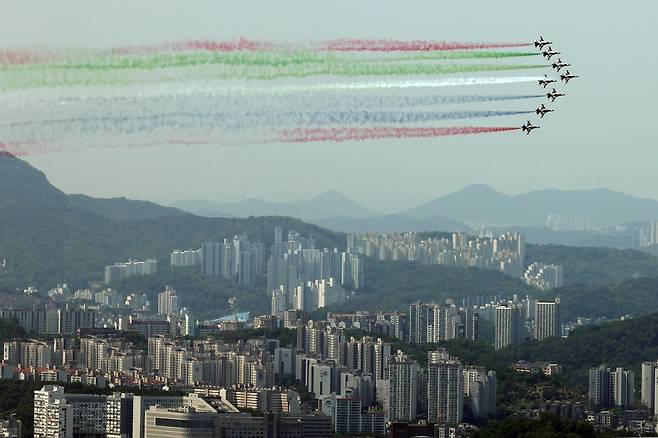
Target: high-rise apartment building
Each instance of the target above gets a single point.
(402, 373)
(238, 259)
(649, 386)
(547, 319)
(600, 392)
(653, 233)
(509, 326)
(480, 388)
(418, 322)
(611, 388)
(53, 417)
(623, 387)
(445, 389)
(544, 276)
(431, 323)
(130, 268)
(182, 259)
(167, 302)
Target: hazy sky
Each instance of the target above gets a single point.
(601, 135)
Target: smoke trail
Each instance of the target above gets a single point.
(10, 80)
(353, 45)
(303, 135)
(179, 89)
(227, 122)
(221, 88)
(295, 135)
(38, 111)
(17, 149)
(356, 45)
(439, 56)
(400, 84)
(20, 57)
(102, 61)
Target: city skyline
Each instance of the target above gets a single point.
(313, 219)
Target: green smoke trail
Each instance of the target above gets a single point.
(377, 69)
(10, 80)
(258, 59)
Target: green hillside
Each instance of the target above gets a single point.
(123, 209)
(207, 297)
(394, 285)
(49, 238)
(629, 297)
(595, 266)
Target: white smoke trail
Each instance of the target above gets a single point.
(179, 89)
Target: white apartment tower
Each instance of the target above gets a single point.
(649, 385)
(167, 302)
(402, 373)
(623, 387)
(445, 389)
(509, 327)
(547, 319)
(53, 417)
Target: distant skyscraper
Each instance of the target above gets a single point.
(418, 322)
(547, 319)
(654, 233)
(544, 276)
(623, 387)
(480, 387)
(600, 392)
(472, 324)
(648, 386)
(187, 258)
(611, 388)
(167, 302)
(445, 389)
(246, 274)
(509, 326)
(402, 373)
(210, 258)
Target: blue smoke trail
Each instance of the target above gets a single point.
(226, 122)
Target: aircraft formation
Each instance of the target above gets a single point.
(558, 65)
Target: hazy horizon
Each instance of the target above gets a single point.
(596, 138)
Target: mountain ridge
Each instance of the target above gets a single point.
(483, 204)
(329, 203)
(470, 207)
(49, 237)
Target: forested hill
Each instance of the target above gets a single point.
(633, 297)
(122, 209)
(595, 266)
(47, 238)
(617, 344)
(393, 285)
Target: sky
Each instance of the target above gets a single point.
(600, 136)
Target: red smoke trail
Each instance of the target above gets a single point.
(18, 149)
(353, 45)
(242, 44)
(341, 45)
(238, 45)
(303, 135)
(20, 57)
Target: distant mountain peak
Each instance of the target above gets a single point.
(480, 189)
(332, 195)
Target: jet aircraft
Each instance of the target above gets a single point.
(528, 127)
(542, 42)
(554, 95)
